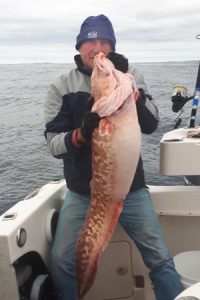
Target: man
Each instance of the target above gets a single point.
(69, 131)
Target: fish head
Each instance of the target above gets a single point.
(102, 80)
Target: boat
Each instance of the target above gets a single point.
(27, 231)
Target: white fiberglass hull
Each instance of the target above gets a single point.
(121, 274)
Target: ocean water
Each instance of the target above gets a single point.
(26, 163)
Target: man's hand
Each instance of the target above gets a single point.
(119, 61)
(80, 136)
(90, 122)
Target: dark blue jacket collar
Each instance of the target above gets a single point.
(81, 67)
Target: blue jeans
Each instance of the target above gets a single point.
(140, 221)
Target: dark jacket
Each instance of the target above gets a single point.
(64, 109)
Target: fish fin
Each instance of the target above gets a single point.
(106, 127)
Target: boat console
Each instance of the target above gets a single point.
(180, 152)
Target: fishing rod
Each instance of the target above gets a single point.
(195, 101)
(196, 98)
(179, 99)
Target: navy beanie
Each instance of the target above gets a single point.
(96, 27)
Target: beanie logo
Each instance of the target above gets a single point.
(92, 35)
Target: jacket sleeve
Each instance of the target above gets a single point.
(148, 115)
(57, 122)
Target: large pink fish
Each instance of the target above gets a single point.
(115, 152)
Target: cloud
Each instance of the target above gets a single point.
(139, 25)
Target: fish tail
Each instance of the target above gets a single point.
(92, 242)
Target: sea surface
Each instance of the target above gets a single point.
(26, 163)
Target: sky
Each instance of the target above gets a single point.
(37, 31)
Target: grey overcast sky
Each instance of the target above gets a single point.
(146, 30)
